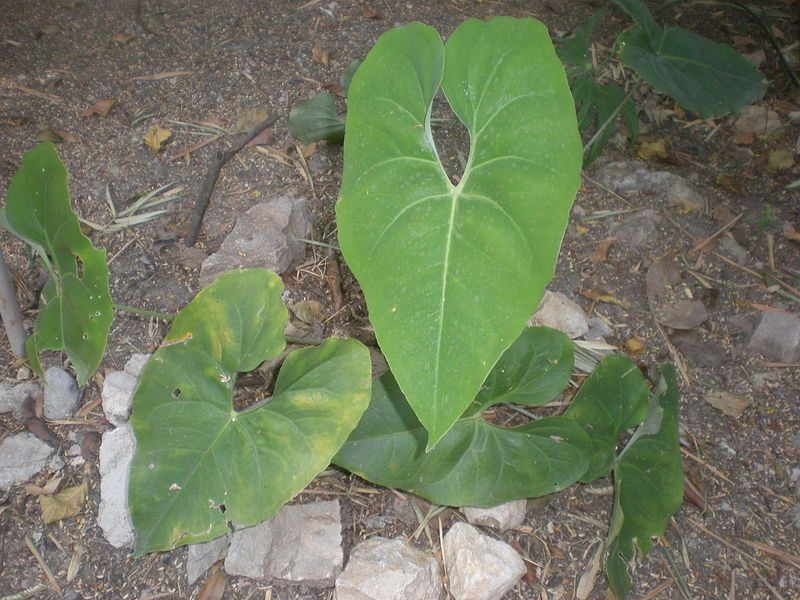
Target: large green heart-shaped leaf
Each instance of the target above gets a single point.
(77, 313)
(648, 482)
(451, 272)
(200, 464)
(477, 463)
(704, 77)
(611, 400)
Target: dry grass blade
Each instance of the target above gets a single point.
(162, 75)
(589, 354)
(132, 215)
(75, 561)
(780, 555)
(30, 592)
(434, 510)
(48, 573)
(703, 244)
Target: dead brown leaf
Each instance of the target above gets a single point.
(732, 183)
(63, 505)
(600, 253)
(368, 13)
(101, 108)
(123, 38)
(155, 137)
(48, 134)
(598, 295)
(250, 118)
(307, 150)
(744, 138)
(732, 405)
(308, 311)
(212, 121)
(214, 587)
(264, 138)
(790, 233)
(320, 55)
(47, 489)
(650, 150)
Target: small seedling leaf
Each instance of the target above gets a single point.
(200, 465)
(648, 482)
(77, 313)
(468, 261)
(477, 463)
(317, 120)
(574, 49)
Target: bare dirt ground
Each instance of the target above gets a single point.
(57, 58)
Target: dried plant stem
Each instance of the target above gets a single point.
(10, 312)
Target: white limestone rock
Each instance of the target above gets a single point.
(383, 569)
(559, 312)
(506, 516)
(301, 544)
(479, 567)
(116, 453)
(61, 394)
(21, 457)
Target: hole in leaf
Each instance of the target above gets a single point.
(176, 393)
(251, 388)
(451, 139)
(78, 267)
(222, 508)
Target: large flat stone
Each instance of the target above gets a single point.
(265, 236)
(382, 569)
(301, 544)
(21, 457)
(203, 556)
(777, 336)
(479, 567)
(116, 453)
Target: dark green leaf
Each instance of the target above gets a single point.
(347, 76)
(574, 50)
(599, 105)
(640, 13)
(316, 120)
(702, 76)
(611, 400)
(477, 463)
(78, 311)
(199, 463)
(451, 272)
(648, 481)
(533, 371)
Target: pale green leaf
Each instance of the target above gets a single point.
(452, 272)
(201, 465)
(78, 311)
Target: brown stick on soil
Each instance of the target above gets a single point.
(222, 157)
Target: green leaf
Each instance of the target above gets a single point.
(477, 463)
(648, 481)
(451, 272)
(599, 104)
(533, 371)
(641, 14)
(702, 76)
(199, 463)
(316, 120)
(78, 312)
(574, 49)
(611, 400)
(347, 77)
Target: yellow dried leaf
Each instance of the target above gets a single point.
(648, 150)
(250, 118)
(635, 346)
(100, 108)
(63, 505)
(155, 137)
(780, 160)
(308, 311)
(730, 404)
(580, 229)
(123, 38)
